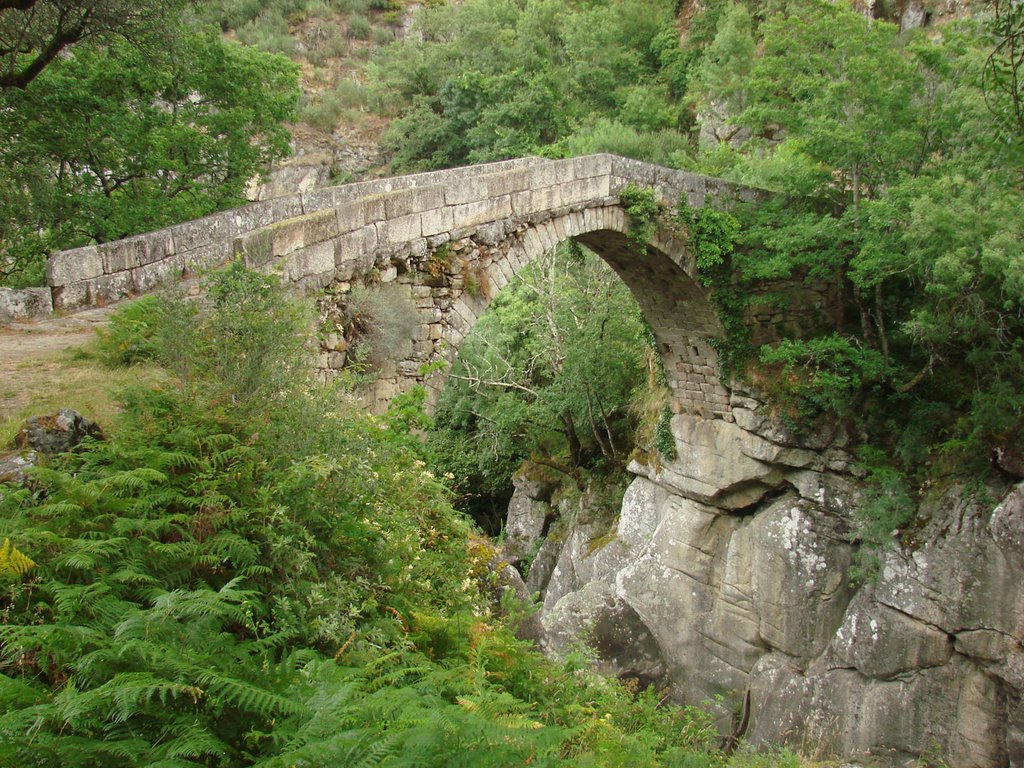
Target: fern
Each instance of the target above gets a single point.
(13, 562)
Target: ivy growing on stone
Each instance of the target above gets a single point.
(713, 236)
(643, 210)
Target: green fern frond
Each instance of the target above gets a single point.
(375, 754)
(247, 697)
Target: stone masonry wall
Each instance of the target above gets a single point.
(490, 220)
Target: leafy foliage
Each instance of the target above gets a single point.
(265, 576)
(549, 372)
(489, 80)
(146, 137)
(913, 202)
(34, 33)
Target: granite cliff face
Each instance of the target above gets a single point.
(727, 580)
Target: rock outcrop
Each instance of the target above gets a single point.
(44, 436)
(727, 580)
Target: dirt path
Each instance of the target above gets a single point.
(31, 353)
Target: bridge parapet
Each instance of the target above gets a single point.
(100, 274)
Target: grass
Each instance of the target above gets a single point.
(71, 378)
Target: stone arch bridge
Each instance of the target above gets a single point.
(492, 219)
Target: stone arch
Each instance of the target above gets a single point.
(660, 277)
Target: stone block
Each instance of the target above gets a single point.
(592, 166)
(74, 266)
(191, 234)
(545, 198)
(211, 255)
(522, 203)
(318, 227)
(436, 222)
(470, 190)
(505, 183)
(283, 208)
(416, 200)
(354, 252)
(287, 237)
(481, 212)
(123, 255)
(247, 218)
(254, 248)
(110, 288)
(150, 276)
(159, 245)
(404, 229)
(71, 295)
(314, 260)
(24, 303)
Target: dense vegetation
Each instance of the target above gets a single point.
(250, 571)
(897, 158)
(128, 131)
(549, 373)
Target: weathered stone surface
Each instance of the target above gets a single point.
(73, 266)
(574, 567)
(715, 463)
(56, 433)
(758, 608)
(13, 466)
(543, 565)
(529, 513)
(24, 304)
(800, 592)
(947, 708)
(882, 643)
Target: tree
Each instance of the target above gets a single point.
(720, 81)
(491, 80)
(548, 373)
(34, 32)
(915, 220)
(118, 139)
(1004, 69)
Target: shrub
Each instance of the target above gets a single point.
(359, 27)
(378, 324)
(131, 335)
(323, 111)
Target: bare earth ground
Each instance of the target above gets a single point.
(45, 365)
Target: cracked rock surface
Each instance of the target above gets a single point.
(727, 575)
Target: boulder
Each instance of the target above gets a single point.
(529, 514)
(24, 304)
(13, 466)
(594, 619)
(56, 433)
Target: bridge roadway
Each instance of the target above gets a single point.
(487, 221)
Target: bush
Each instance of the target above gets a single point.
(824, 375)
(379, 324)
(323, 111)
(662, 147)
(268, 31)
(359, 27)
(131, 335)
